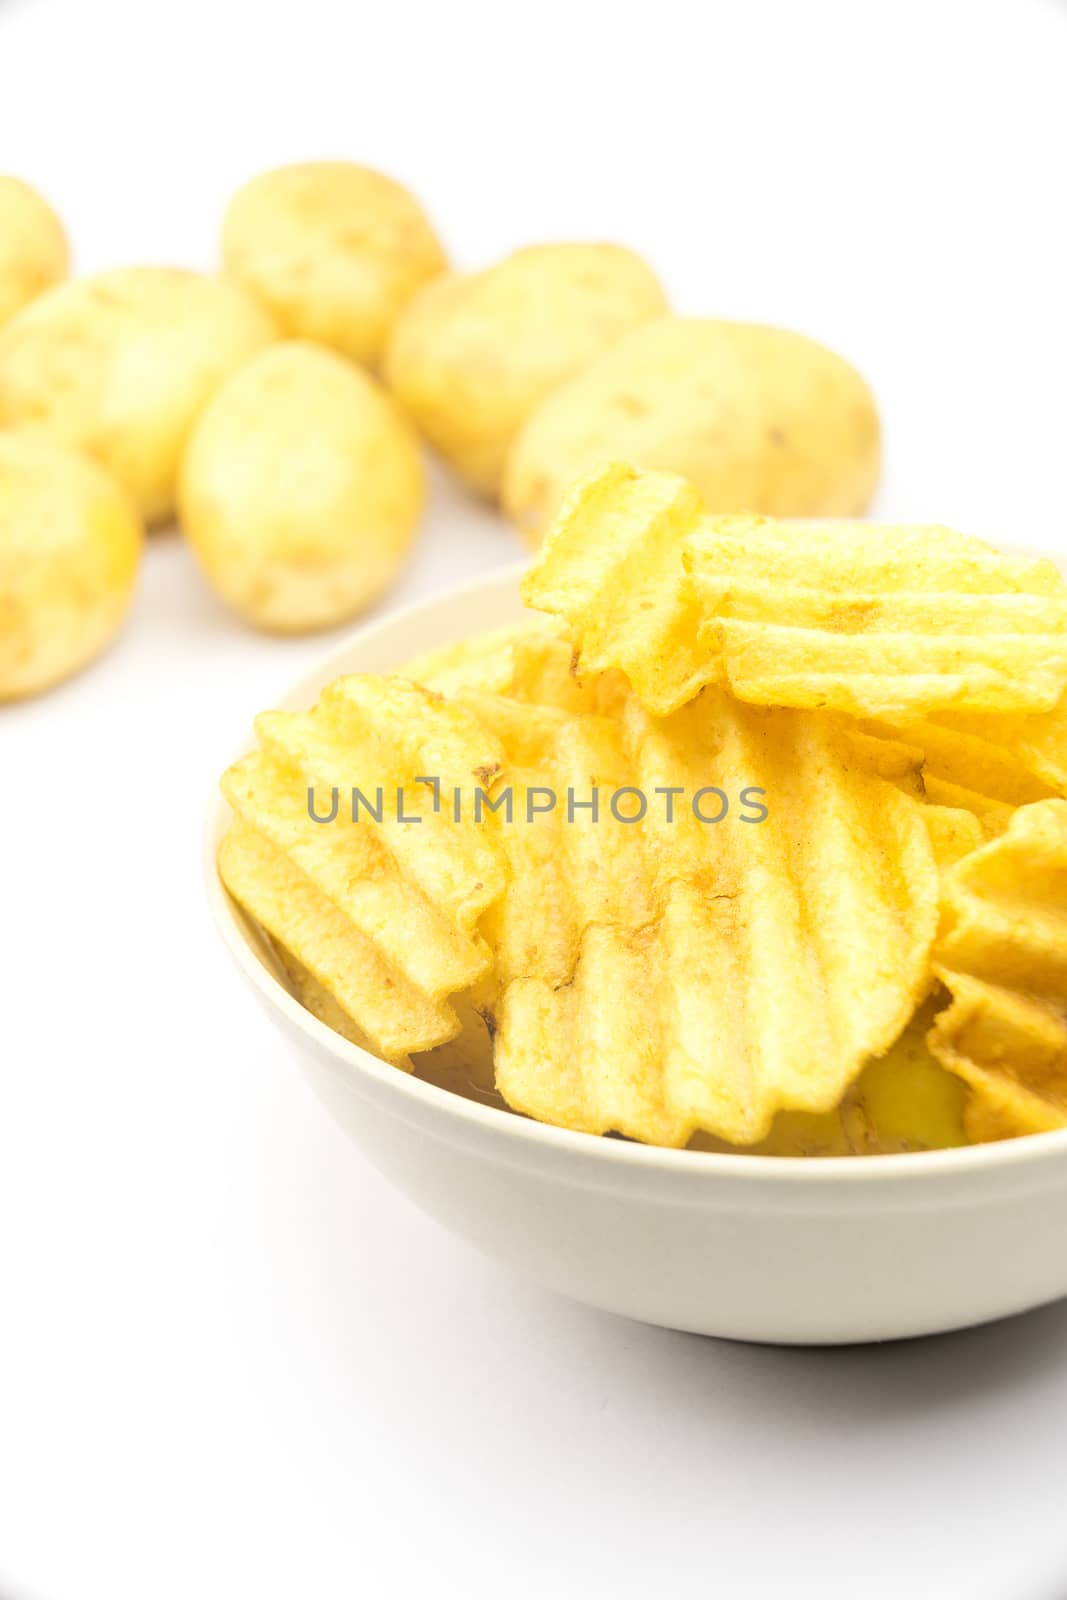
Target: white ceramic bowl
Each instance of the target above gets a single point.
(748, 1247)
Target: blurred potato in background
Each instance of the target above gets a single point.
(334, 250)
(758, 419)
(33, 247)
(70, 547)
(473, 355)
(120, 365)
(301, 489)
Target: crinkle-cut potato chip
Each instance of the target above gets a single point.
(660, 977)
(992, 816)
(314, 998)
(871, 620)
(526, 732)
(520, 682)
(956, 820)
(482, 661)
(878, 620)
(904, 1100)
(612, 568)
(965, 764)
(1036, 745)
(963, 759)
(393, 1019)
(382, 912)
(463, 1064)
(1002, 954)
(955, 831)
(531, 662)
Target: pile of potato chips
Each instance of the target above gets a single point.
(757, 840)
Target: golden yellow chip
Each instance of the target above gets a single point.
(882, 621)
(526, 731)
(483, 661)
(1002, 954)
(904, 1100)
(309, 991)
(370, 835)
(463, 1064)
(965, 765)
(520, 681)
(962, 758)
(612, 568)
(390, 1017)
(1037, 745)
(955, 831)
(759, 931)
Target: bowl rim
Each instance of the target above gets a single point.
(959, 1161)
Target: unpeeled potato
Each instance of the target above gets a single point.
(301, 489)
(473, 355)
(758, 418)
(33, 247)
(333, 249)
(119, 365)
(70, 546)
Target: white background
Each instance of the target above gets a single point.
(232, 1362)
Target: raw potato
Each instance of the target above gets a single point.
(301, 490)
(70, 545)
(119, 365)
(759, 419)
(33, 247)
(472, 356)
(335, 250)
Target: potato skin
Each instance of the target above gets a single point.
(33, 247)
(472, 356)
(301, 490)
(759, 419)
(70, 548)
(119, 365)
(334, 250)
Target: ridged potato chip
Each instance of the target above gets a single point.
(879, 620)
(379, 897)
(612, 569)
(987, 765)
(520, 682)
(304, 987)
(1035, 746)
(904, 1100)
(383, 1014)
(678, 974)
(955, 831)
(486, 661)
(875, 621)
(1002, 954)
(960, 760)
